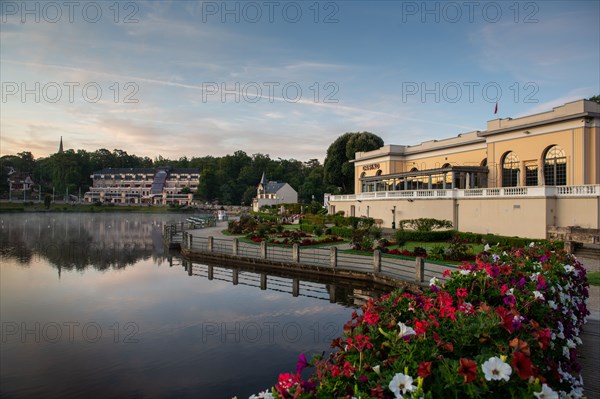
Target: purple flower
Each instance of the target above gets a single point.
(363, 379)
(301, 364)
(509, 300)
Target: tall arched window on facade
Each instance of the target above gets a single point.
(555, 167)
(363, 185)
(510, 170)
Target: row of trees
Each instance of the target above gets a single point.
(231, 179)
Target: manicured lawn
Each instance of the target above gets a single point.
(594, 278)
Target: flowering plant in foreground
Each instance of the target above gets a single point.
(506, 325)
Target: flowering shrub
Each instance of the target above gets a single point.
(506, 325)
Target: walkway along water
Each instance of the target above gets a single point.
(210, 245)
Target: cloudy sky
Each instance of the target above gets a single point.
(192, 78)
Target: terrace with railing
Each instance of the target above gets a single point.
(499, 192)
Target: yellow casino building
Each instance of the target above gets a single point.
(526, 176)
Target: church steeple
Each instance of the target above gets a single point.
(60, 146)
(262, 186)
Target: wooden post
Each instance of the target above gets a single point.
(333, 257)
(234, 246)
(236, 276)
(189, 268)
(210, 272)
(296, 252)
(296, 287)
(419, 269)
(189, 241)
(263, 281)
(263, 250)
(332, 296)
(210, 243)
(376, 261)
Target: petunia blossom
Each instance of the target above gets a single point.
(468, 369)
(546, 393)
(495, 369)
(401, 384)
(405, 330)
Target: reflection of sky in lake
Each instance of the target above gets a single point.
(191, 337)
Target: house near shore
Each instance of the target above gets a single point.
(270, 193)
(535, 176)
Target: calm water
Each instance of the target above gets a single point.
(94, 306)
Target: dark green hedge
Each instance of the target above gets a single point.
(429, 236)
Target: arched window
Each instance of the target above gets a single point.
(379, 172)
(510, 170)
(484, 162)
(363, 185)
(555, 167)
(446, 165)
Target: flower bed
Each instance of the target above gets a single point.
(507, 325)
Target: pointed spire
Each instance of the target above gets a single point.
(60, 146)
(263, 179)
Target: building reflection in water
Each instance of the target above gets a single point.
(79, 241)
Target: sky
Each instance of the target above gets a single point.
(283, 78)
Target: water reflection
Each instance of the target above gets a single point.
(78, 241)
(128, 319)
(346, 292)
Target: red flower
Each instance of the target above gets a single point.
(360, 342)
(420, 327)
(287, 381)
(468, 369)
(522, 365)
(377, 391)
(461, 292)
(371, 318)
(348, 369)
(424, 369)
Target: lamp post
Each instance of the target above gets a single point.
(394, 218)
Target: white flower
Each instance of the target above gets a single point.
(495, 369)
(552, 305)
(486, 247)
(465, 272)
(569, 269)
(263, 395)
(433, 281)
(538, 295)
(531, 244)
(510, 292)
(377, 369)
(405, 330)
(400, 384)
(546, 393)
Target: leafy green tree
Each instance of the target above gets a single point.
(595, 98)
(339, 172)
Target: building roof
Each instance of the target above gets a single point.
(273, 186)
(145, 170)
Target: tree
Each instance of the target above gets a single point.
(339, 172)
(595, 98)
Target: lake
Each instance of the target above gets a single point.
(93, 305)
